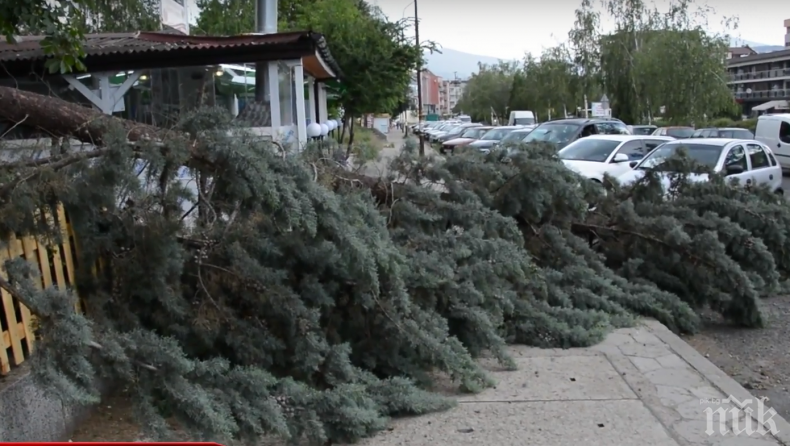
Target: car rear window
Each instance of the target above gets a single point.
(680, 132)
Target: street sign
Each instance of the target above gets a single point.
(597, 110)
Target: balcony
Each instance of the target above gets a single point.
(761, 75)
(764, 94)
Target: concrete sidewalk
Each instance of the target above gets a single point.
(641, 386)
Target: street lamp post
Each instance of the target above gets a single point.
(419, 75)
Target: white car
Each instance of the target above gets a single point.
(750, 161)
(596, 155)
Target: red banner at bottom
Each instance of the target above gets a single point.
(113, 443)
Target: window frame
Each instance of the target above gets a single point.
(746, 159)
(761, 149)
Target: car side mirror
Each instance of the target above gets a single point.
(633, 164)
(621, 158)
(734, 169)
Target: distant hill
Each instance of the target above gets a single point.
(768, 48)
(451, 63)
(759, 47)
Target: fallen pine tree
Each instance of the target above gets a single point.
(298, 299)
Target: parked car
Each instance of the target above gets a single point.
(774, 131)
(729, 133)
(438, 130)
(642, 129)
(456, 132)
(675, 132)
(596, 155)
(516, 136)
(493, 136)
(469, 135)
(564, 131)
(748, 160)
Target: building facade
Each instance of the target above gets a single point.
(431, 84)
(449, 94)
(761, 82)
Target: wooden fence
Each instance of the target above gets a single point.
(56, 265)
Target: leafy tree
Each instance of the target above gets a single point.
(655, 60)
(488, 91)
(651, 61)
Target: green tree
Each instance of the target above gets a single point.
(488, 91)
(654, 60)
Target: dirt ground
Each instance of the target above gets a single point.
(759, 359)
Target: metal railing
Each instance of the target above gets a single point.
(764, 94)
(761, 75)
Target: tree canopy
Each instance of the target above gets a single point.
(653, 63)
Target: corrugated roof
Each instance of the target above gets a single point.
(142, 50)
(29, 47)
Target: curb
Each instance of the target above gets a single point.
(717, 378)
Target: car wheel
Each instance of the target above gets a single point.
(779, 191)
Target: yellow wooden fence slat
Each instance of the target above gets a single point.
(27, 246)
(14, 335)
(66, 244)
(5, 339)
(43, 265)
(67, 251)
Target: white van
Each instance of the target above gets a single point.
(774, 132)
(521, 117)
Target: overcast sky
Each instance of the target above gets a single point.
(509, 28)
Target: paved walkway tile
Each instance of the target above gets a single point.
(549, 423)
(642, 386)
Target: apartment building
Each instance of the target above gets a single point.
(761, 82)
(449, 94)
(431, 85)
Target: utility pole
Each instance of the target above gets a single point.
(265, 23)
(419, 75)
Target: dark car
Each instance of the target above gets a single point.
(727, 132)
(642, 129)
(492, 137)
(675, 132)
(564, 131)
(456, 132)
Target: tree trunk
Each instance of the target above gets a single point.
(343, 130)
(350, 136)
(62, 118)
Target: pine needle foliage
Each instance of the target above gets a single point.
(290, 300)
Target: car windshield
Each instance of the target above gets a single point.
(523, 121)
(495, 134)
(457, 130)
(680, 132)
(515, 137)
(589, 149)
(643, 130)
(556, 133)
(473, 133)
(705, 154)
(736, 134)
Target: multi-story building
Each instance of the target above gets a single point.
(449, 94)
(761, 82)
(431, 84)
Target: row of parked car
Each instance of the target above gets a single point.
(596, 147)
